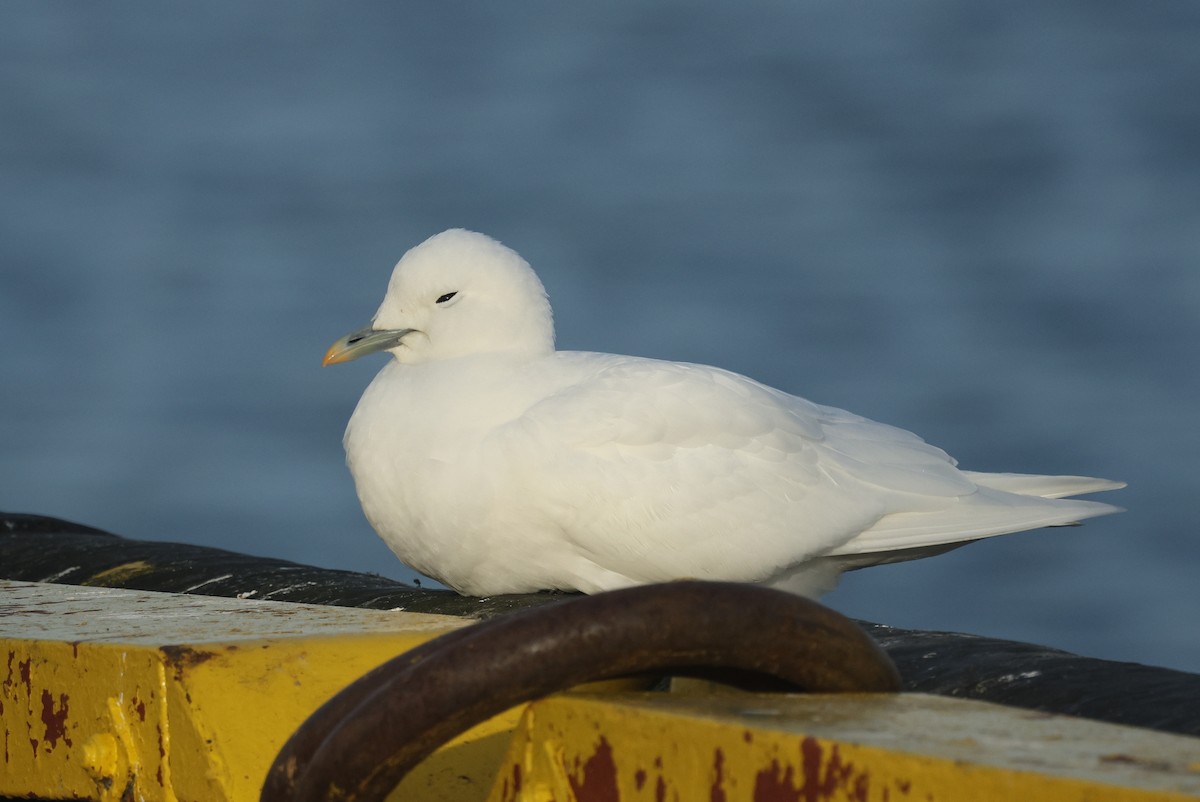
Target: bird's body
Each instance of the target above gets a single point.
(495, 464)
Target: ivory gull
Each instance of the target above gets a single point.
(490, 461)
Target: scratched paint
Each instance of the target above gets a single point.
(717, 792)
(820, 778)
(511, 788)
(55, 720)
(775, 784)
(183, 658)
(139, 707)
(596, 780)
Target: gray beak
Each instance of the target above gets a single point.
(363, 342)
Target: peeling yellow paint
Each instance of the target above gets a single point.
(112, 694)
(98, 702)
(864, 748)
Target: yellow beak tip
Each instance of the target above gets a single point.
(332, 356)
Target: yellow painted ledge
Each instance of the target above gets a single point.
(109, 694)
(167, 697)
(863, 748)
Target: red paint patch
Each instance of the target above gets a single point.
(26, 675)
(821, 779)
(660, 790)
(717, 793)
(861, 787)
(810, 757)
(139, 707)
(516, 778)
(748, 736)
(55, 721)
(836, 776)
(774, 785)
(639, 778)
(598, 782)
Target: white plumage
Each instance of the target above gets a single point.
(495, 464)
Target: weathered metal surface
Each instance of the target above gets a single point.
(113, 695)
(37, 548)
(1040, 678)
(359, 745)
(868, 748)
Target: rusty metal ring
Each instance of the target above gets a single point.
(360, 744)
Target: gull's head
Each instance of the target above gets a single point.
(456, 294)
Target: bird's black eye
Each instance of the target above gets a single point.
(446, 297)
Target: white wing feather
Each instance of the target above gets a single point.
(657, 470)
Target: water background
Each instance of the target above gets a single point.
(978, 222)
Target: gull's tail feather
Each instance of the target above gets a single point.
(995, 509)
(1029, 484)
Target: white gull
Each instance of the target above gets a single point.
(490, 461)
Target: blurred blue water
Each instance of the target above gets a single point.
(981, 223)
